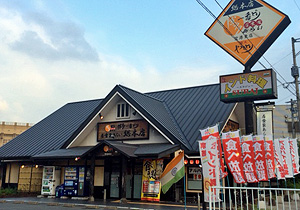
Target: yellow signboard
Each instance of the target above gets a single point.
(247, 28)
(152, 170)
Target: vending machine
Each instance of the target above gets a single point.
(75, 183)
(51, 179)
(71, 181)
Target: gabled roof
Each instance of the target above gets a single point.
(157, 112)
(195, 108)
(52, 132)
(178, 114)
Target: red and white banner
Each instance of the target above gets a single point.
(270, 157)
(248, 159)
(233, 155)
(295, 155)
(260, 157)
(210, 167)
(286, 157)
(280, 172)
(214, 131)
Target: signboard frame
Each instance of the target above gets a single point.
(263, 44)
(271, 94)
(129, 130)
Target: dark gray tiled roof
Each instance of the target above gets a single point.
(125, 149)
(52, 132)
(179, 114)
(156, 150)
(195, 108)
(64, 153)
(157, 111)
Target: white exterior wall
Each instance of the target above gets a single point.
(88, 137)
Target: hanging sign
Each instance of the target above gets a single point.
(265, 122)
(233, 155)
(210, 167)
(247, 28)
(248, 159)
(257, 85)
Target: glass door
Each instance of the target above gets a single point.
(114, 185)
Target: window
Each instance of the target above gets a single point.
(123, 110)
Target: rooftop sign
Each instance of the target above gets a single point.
(247, 28)
(257, 85)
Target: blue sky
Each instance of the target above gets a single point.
(57, 51)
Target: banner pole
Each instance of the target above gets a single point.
(184, 192)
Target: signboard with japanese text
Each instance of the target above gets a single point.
(248, 159)
(257, 85)
(265, 122)
(233, 155)
(280, 172)
(286, 157)
(211, 167)
(260, 157)
(214, 131)
(125, 130)
(270, 156)
(295, 155)
(247, 28)
(151, 186)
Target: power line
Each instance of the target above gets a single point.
(297, 5)
(227, 30)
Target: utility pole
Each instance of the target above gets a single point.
(295, 74)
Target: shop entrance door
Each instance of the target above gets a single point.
(115, 181)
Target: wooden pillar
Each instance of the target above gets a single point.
(92, 172)
(123, 178)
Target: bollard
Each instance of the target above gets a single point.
(104, 194)
(199, 206)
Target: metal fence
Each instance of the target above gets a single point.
(254, 198)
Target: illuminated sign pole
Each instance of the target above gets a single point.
(246, 29)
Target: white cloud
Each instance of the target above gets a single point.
(45, 63)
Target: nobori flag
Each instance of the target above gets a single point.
(173, 172)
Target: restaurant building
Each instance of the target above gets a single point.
(117, 147)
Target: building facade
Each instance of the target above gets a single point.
(9, 130)
(117, 147)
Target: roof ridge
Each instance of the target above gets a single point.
(176, 125)
(144, 94)
(184, 88)
(88, 100)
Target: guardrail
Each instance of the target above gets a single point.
(255, 198)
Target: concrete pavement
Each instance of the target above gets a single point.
(32, 203)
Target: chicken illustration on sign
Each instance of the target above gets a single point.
(247, 28)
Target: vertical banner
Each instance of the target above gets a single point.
(248, 159)
(214, 131)
(280, 172)
(265, 122)
(152, 170)
(286, 157)
(270, 157)
(295, 155)
(260, 157)
(233, 155)
(210, 167)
